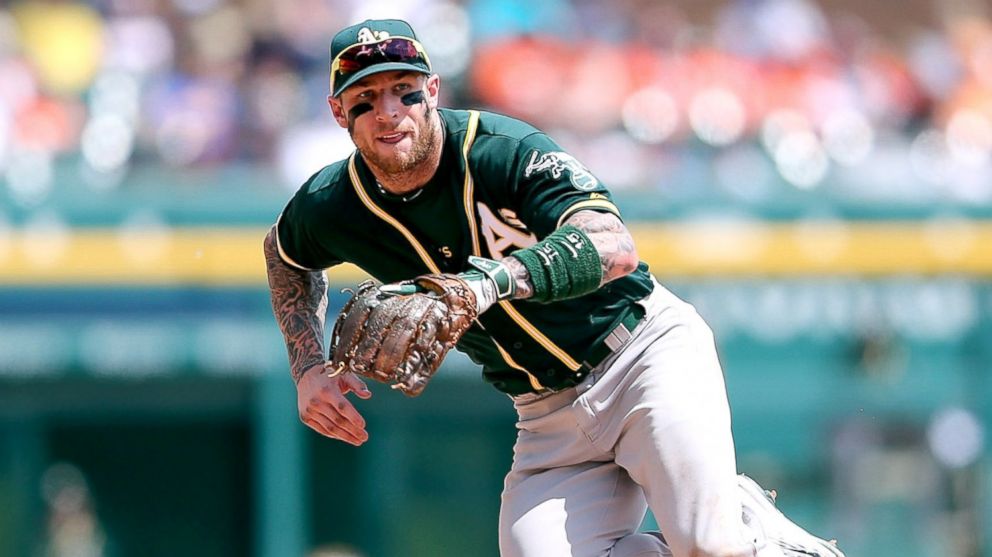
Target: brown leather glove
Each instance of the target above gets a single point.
(402, 338)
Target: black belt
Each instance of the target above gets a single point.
(617, 338)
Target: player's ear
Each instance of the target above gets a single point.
(337, 110)
(433, 90)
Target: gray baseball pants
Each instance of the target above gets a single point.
(650, 426)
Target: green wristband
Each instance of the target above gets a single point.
(563, 265)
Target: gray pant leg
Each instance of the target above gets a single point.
(573, 511)
(565, 497)
(661, 407)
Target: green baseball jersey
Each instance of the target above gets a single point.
(501, 185)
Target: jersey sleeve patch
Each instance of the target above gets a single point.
(558, 164)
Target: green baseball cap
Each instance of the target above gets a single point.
(373, 46)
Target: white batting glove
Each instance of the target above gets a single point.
(491, 281)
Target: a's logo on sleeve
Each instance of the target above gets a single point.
(558, 163)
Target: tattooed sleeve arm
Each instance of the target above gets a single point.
(611, 238)
(299, 302)
(525, 289)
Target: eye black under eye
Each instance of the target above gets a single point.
(358, 110)
(413, 97)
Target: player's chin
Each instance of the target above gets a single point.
(394, 159)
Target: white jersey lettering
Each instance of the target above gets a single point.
(500, 237)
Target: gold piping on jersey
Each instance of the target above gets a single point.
(468, 192)
(468, 195)
(588, 203)
(512, 363)
(282, 254)
(537, 335)
(356, 183)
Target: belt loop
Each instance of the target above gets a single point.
(617, 337)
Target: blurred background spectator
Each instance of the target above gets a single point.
(790, 89)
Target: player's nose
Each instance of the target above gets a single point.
(388, 109)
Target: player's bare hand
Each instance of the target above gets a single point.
(325, 409)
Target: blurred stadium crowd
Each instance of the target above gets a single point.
(789, 92)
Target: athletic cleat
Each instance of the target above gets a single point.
(759, 506)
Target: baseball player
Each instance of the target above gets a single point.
(488, 235)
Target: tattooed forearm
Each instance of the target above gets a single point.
(612, 240)
(525, 289)
(299, 302)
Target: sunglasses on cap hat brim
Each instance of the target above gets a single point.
(392, 50)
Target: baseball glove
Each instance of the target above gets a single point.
(402, 338)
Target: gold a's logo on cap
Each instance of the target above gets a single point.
(367, 35)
